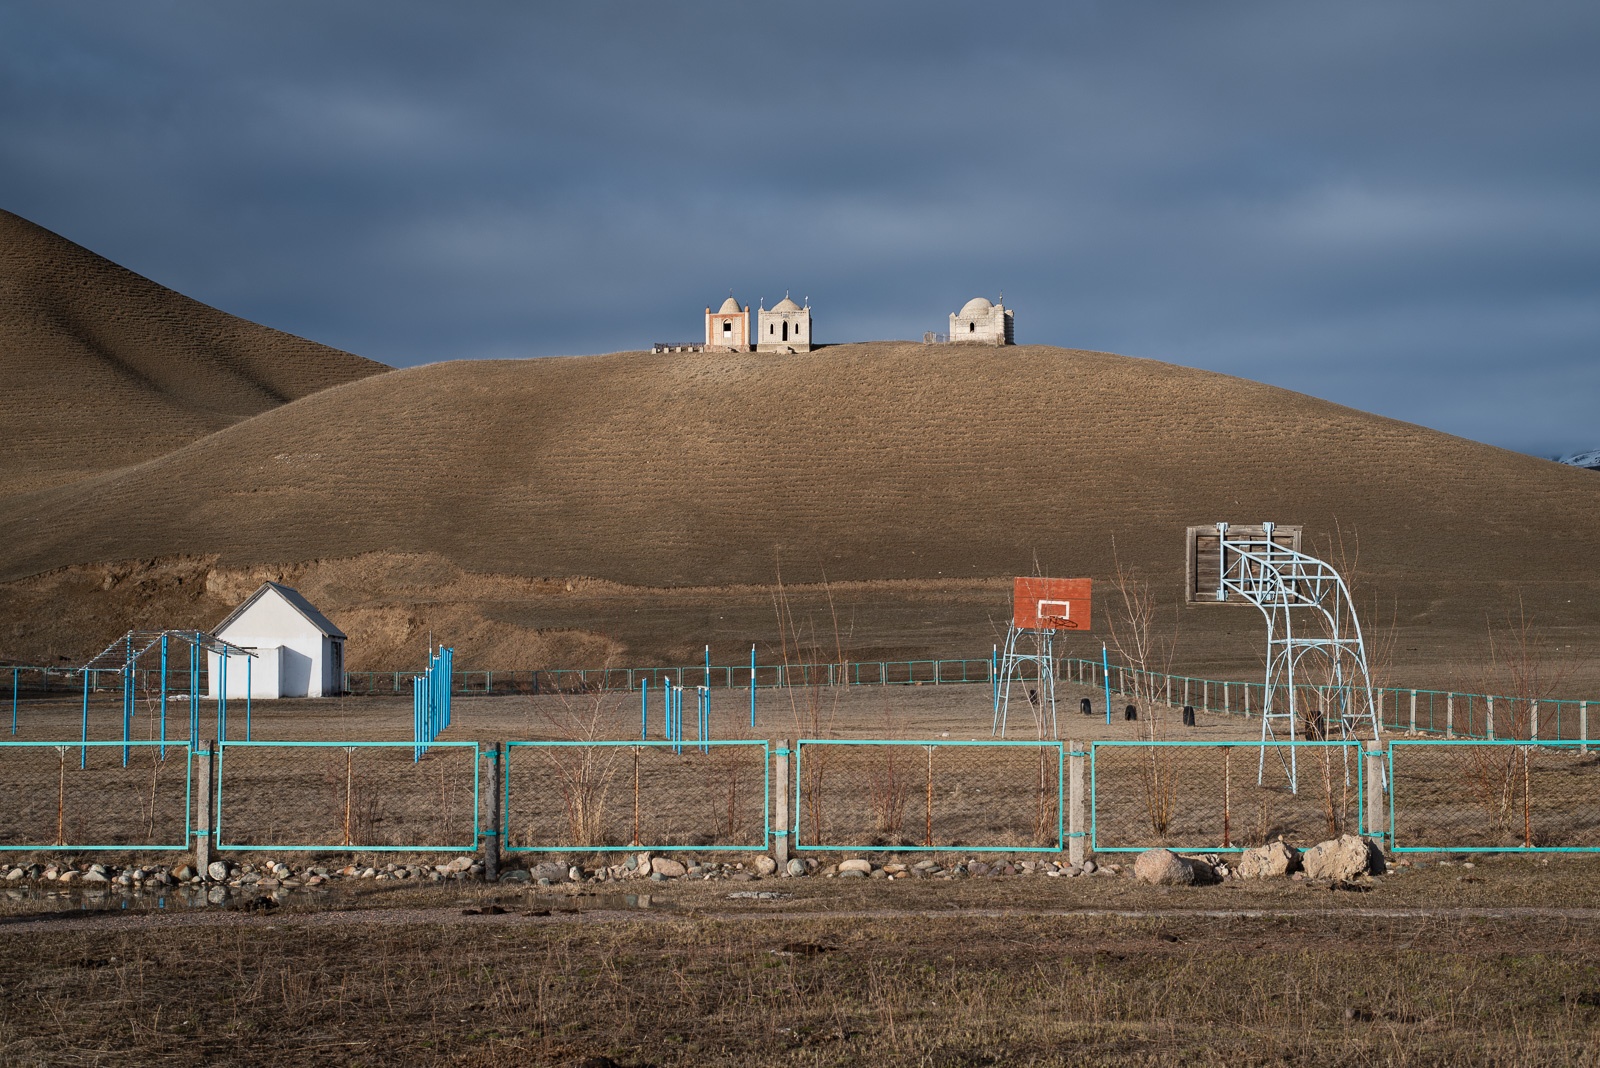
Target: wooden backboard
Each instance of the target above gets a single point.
(1202, 558)
(1051, 604)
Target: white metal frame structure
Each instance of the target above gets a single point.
(1043, 656)
(1281, 581)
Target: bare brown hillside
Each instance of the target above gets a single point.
(100, 367)
(942, 467)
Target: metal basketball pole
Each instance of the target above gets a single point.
(1279, 581)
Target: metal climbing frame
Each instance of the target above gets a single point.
(124, 656)
(1281, 581)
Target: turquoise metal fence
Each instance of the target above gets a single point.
(1222, 797)
(347, 796)
(1477, 796)
(656, 796)
(881, 794)
(83, 796)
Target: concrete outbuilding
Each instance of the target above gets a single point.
(983, 323)
(298, 651)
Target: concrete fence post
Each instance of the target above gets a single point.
(783, 749)
(1413, 711)
(1077, 825)
(492, 820)
(1583, 726)
(1449, 715)
(203, 819)
(1377, 814)
(1490, 721)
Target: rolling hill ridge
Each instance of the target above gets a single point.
(100, 367)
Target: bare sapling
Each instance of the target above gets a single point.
(890, 785)
(583, 774)
(1146, 648)
(1521, 666)
(813, 704)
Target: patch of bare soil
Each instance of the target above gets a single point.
(555, 977)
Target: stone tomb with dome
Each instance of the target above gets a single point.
(785, 328)
(982, 323)
(728, 328)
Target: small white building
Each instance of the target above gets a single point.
(982, 323)
(299, 652)
(786, 327)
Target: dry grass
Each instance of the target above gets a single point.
(674, 479)
(826, 982)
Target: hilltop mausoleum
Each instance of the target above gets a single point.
(728, 328)
(786, 328)
(983, 323)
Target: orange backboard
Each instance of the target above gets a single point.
(1051, 604)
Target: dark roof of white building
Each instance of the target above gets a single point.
(295, 599)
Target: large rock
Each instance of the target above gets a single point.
(1163, 867)
(667, 869)
(796, 867)
(1343, 858)
(765, 865)
(217, 871)
(1269, 861)
(553, 870)
(855, 864)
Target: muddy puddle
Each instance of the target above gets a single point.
(167, 898)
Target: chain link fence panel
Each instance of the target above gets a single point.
(563, 796)
(1000, 796)
(368, 796)
(131, 795)
(1222, 797)
(1507, 795)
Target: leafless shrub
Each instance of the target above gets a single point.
(1146, 648)
(813, 704)
(1521, 666)
(584, 774)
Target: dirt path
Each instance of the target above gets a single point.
(149, 921)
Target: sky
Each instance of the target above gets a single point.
(1395, 206)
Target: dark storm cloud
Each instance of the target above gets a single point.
(1393, 206)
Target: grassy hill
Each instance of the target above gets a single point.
(100, 367)
(941, 468)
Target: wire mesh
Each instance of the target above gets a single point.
(1477, 795)
(928, 795)
(51, 801)
(618, 795)
(1221, 797)
(341, 795)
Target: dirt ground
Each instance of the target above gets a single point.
(957, 711)
(1494, 964)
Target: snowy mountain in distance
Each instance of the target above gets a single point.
(1589, 458)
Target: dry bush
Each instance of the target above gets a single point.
(1521, 666)
(1146, 648)
(584, 774)
(813, 704)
